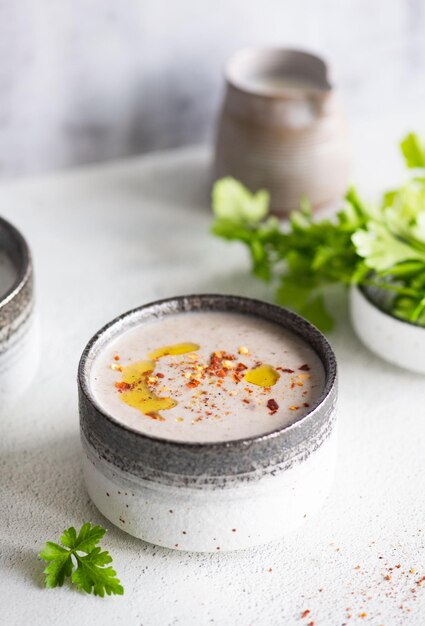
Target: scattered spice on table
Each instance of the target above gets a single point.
(399, 583)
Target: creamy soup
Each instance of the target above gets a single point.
(207, 376)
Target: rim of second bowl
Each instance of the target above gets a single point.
(24, 269)
(368, 297)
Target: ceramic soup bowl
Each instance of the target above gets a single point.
(397, 341)
(18, 331)
(207, 495)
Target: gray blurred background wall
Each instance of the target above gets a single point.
(84, 81)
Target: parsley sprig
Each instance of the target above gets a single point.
(380, 247)
(80, 558)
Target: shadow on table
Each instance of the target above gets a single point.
(23, 562)
(42, 494)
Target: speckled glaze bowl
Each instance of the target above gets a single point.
(208, 496)
(397, 341)
(291, 141)
(18, 329)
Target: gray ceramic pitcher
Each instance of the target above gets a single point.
(282, 128)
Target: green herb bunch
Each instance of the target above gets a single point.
(377, 246)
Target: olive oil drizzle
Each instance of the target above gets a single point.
(263, 375)
(134, 388)
(177, 348)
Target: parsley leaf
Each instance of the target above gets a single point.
(381, 249)
(60, 564)
(92, 575)
(233, 201)
(413, 150)
(87, 570)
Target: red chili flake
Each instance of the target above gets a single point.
(156, 416)
(192, 384)
(285, 370)
(122, 386)
(228, 357)
(305, 613)
(272, 405)
(310, 624)
(221, 373)
(246, 401)
(304, 368)
(159, 375)
(270, 569)
(306, 404)
(116, 357)
(240, 367)
(387, 577)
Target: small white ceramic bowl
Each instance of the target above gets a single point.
(209, 496)
(397, 341)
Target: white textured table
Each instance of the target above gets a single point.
(108, 239)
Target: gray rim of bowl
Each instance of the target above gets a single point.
(226, 303)
(24, 269)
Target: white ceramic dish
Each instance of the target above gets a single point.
(397, 341)
(209, 496)
(18, 329)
